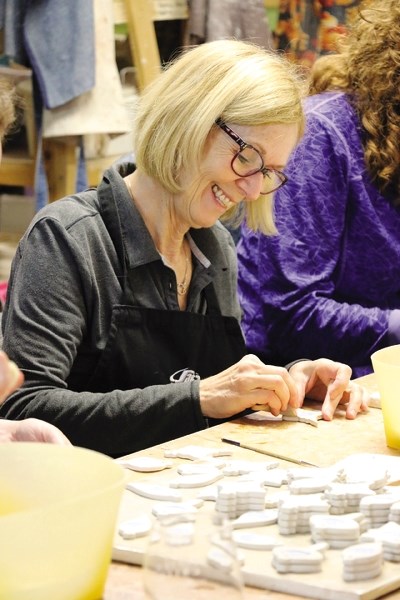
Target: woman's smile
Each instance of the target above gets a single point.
(221, 197)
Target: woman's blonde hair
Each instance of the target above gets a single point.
(368, 69)
(238, 81)
(7, 106)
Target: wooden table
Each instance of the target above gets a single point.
(324, 445)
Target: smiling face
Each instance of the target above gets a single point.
(215, 188)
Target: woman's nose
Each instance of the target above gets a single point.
(251, 186)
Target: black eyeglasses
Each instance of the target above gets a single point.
(248, 161)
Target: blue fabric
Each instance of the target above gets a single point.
(330, 282)
(56, 39)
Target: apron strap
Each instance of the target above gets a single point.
(212, 300)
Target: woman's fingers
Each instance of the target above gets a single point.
(269, 401)
(355, 397)
(247, 383)
(329, 382)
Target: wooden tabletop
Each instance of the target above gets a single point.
(323, 445)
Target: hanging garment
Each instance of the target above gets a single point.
(103, 108)
(219, 19)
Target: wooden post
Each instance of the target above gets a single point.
(143, 41)
(60, 159)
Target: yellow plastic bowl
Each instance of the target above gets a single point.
(386, 363)
(58, 511)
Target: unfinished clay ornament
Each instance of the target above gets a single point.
(301, 415)
(145, 464)
(197, 480)
(154, 491)
(135, 528)
(296, 560)
(192, 452)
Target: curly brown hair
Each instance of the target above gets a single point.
(7, 106)
(367, 67)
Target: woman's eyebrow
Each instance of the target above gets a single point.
(263, 153)
(277, 167)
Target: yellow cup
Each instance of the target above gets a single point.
(58, 511)
(386, 363)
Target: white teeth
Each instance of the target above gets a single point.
(226, 203)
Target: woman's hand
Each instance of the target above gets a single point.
(10, 377)
(329, 382)
(247, 384)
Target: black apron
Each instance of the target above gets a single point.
(147, 346)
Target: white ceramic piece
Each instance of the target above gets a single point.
(196, 481)
(194, 468)
(256, 518)
(302, 415)
(389, 536)
(362, 561)
(243, 467)
(154, 491)
(296, 560)
(170, 509)
(255, 541)
(219, 559)
(308, 486)
(192, 452)
(135, 528)
(145, 464)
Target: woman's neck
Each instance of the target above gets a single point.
(156, 207)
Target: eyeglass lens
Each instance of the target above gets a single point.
(248, 161)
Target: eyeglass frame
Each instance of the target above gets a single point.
(243, 145)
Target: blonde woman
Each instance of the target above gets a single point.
(123, 314)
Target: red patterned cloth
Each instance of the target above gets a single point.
(308, 28)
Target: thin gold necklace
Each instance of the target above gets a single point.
(182, 287)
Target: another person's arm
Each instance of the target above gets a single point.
(305, 292)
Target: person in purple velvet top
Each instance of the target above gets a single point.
(329, 283)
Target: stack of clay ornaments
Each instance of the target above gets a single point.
(295, 511)
(389, 536)
(377, 508)
(296, 559)
(394, 513)
(234, 499)
(362, 561)
(345, 497)
(338, 532)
